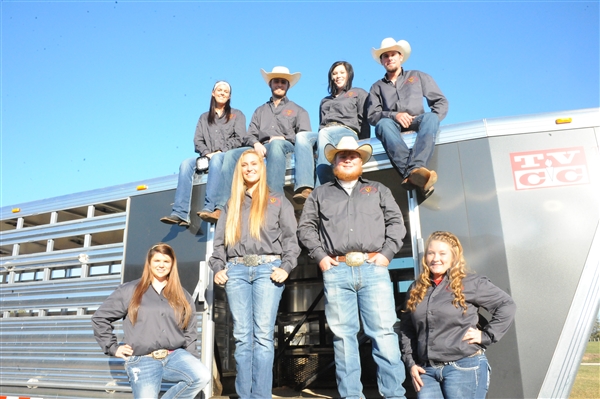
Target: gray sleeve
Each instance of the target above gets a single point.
(308, 229)
(394, 224)
(408, 337)
(289, 241)
(240, 130)
(500, 305)
(191, 330)
(218, 260)
(435, 99)
(200, 144)
(375, 111)
(112, 309)
(303, 121)
(253, 129)
(363, 104)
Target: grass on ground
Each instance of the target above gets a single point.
(587, 382)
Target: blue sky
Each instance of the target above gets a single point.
(95, 94)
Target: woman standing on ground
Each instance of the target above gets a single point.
(442, 344)
(255, 249)
(160, 330)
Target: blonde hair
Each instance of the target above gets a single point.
(260, 199)
(456, 273)
(173, 291)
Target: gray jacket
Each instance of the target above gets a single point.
(434, 331)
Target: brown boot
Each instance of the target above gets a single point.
(210, 217)
(301, 195)
(423, 178)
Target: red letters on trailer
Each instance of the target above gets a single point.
(549, 168)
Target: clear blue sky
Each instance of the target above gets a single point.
(101, 93)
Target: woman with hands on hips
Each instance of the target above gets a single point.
(441, 343)
(159, 322)
(255, 249)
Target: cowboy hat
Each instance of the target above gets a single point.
(348, 143)
(389, 44)
(281, 72)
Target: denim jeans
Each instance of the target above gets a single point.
(253, 300)
(277, 152)
(181, 367)
(388, 131)
(213, 180)
(329, 135)
(467, 378)
(366, 291)
(183, 194)
(223, 189)
(304, 153)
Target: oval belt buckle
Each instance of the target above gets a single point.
(355, 258)
(160, 354)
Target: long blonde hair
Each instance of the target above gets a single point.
(456, 273)
(258, 209)
(173, 291)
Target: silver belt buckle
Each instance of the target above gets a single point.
(251, 260)
(355, 258)
(159, 354)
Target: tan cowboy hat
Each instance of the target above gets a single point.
(348, 143)
(281, 72)
(389, 44)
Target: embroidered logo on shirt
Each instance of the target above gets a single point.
(289, 112)
(412, 79)
(350, 94)
(368, 190)
(275, 201)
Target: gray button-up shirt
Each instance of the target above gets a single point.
(335, 223)
(287, 119)
(387, 99)
(434, 331)
(223, 135)
(349, 108)
(278, 236)
(156, 326)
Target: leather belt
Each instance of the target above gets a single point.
(253, 260)
(354, 258)
(340, 124)
(433, 363)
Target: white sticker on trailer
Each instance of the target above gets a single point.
(549, 168)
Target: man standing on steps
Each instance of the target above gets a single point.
(353, 227)
(396, 106)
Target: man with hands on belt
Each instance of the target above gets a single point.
(353, 227)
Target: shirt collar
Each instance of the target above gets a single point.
(386, 80)
(284, 100)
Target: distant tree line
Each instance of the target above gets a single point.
(595, 331)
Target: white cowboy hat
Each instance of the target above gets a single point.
(348, 143)
(281, 72)
(389, 44)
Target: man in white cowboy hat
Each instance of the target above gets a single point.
(272, 132)
(353, 227)
(396, 106)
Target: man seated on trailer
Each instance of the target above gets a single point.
(396, 107)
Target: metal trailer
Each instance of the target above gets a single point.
(522, 194)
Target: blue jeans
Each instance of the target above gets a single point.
(213, 180)
(467, 378)
(181, 367)
(183, 194)
(403, 158)
(304, 169)
(366, 291)
(329, 135)
(223, 189)
(277, 152)
(253, 300)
